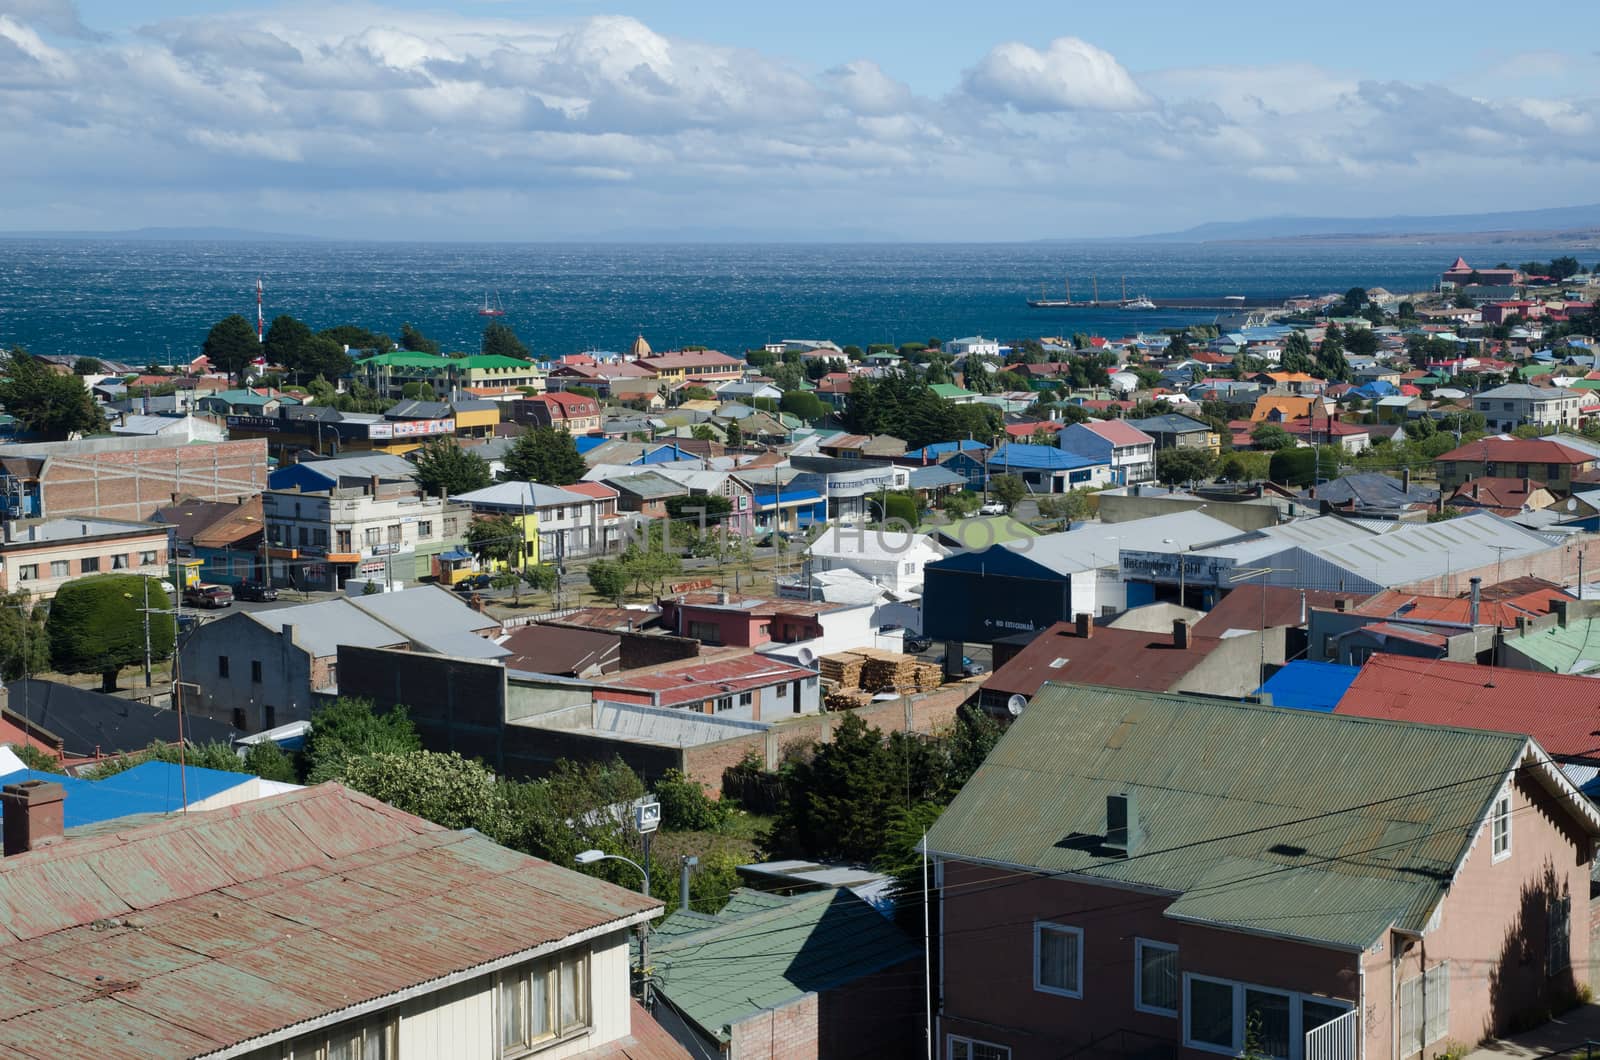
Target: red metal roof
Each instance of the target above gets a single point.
(1118, 433)
(1499, 605)
(1115, 658)
(1414, 634)
(646, 1040)
(199, 932)
(1242, 608)
(701, 680)
(1521, 450)
(1559, 710)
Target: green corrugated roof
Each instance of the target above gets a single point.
(1570, 649)
(981, 531)
(1249, 812)
(408, 359)
(950, 390)
(812, 942)
(745, 901)
(489, 360)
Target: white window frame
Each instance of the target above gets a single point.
(954, 1040)
(1140, 945)
(1039, 928)
(1500, 811)
(1297, 1029)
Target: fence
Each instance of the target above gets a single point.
(1334, 1040)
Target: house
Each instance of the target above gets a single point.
(519, 952)
(834, 388)
(1174, 431)
(1081, 653)
(226, 538)
(1350, 437)
(955, 395)
(1460, 274)
(839, 979)
(557, 522)
(148, 788)
(862, 447)
(746, 687)
(1047, 469)
(1503, 496)
(1280, 409)
(972, 346)
(939, 452)
(562, 651)
(1514, 405)
(1130, 452)
(1401, 622)
(37, 558)
(1555, 463)
(722, 619)
(891, 559)
(316, 475)
(1371, 492)
(1364, 912)
(81, 723)
(186, 427)
(480, 375)
(1305, 685)
(646, 493)
(378, 530)
(257, 670)
(574, 413)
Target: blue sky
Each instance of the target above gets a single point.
(999, 120)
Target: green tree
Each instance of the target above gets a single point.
(499, 340)
(1301, 467)
(442, 787)
(269, 762)
(650, 562)
(214, 754)
(357, 338)
(231, 345)
(38, 759)
(1070, 507)
(44, 403)
(1361, 341)
(806, 405)
(1355, 299)
(87, 366)
(608, 579)
(496, 538)
(287, 341)
(321, 357)
(1296, 355)
(1331, 364)
(1271, 437)
(901, 506)
(24, 642)
(96, 626)
(412, 339)
(1246, 466)
(733, 435)
(415, 391)
(710, 509)
(443, 465)
(349, 728)
(1175, 466)
(838, 802)
(703, 432)
(1008, 490)
(546, 455)
(685, 807)
(1178, 347)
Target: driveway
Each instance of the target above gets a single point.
(1563, 1036)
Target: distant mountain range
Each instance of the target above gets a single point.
(172, 235)
(1507, 226)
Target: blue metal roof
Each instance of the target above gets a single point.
(1307, 685)
(1039, 458)
(788, 497)
(153, 787)
(938, 449)
(586, 442)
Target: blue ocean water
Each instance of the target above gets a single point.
(142, 301)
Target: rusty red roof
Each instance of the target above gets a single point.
(1521, 450)
(646, 1040)
(200, 932)
(1561, 711)
(1498, 605)
(1115, 658)
(699, 680)
(1283, 606)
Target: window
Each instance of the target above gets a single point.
(1500, 827)
(724, 703)
(1424, 1008)
(1156, 983)
(746, 698)
(373, 535)
(1219, 1013)
(1058, 959)
(1558, 947)
(706, 632)
(343, 537)
(305, 536)
(269, 716)
(370, 1039)
(255, 671)
(89, 565)
(972, 1049)
(119, 561)
(60, 568)
(450, 526)
(1210, 1015)
(1522, 470)
(543, 1001)
(780, 690)
(28, 572)
(147, 559)
(424, 529)
(1552, 471)
(319, 537)
(239, 720)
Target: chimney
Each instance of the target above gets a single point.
(1405, 479)
(288, 633)
(1559, 608)
(1473, 612)
(722, 596)
(1122, 823)
(1180, 634)
(1527, 485)
(1085, 624)
(34, 812)
(374, 485)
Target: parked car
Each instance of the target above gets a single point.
(254, 591)
(992, 508)
(473, 583)
(968, 667)
(208, 596)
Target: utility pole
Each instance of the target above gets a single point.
(146, 612)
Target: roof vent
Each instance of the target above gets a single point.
(1123, 832)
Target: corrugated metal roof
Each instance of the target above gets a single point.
(190, 934)
(1210, 780)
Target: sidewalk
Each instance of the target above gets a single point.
(1566, 1032)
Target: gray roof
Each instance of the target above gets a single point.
(1096, 545)
(1170, 423)
(649, 484)
(365, 466)
(435, 619)
(418, 410)
(1372, 489)
(70, 528)
(321, 627)
(934, 477)
(511, 495)
(1413, 551)
(1527, 392)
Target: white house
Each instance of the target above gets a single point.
(972, 346)
(891, 559)
(1130, 452)
(1507, 407)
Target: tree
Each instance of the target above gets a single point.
(496, 538)
(1008, 490)
(1361, 341)
(1296, 355)
(96, 626)
(44, 403)
(1300, 467)
(1174, 466)
(900, 506)
(703, 432)
(349, 728)
(357, 338)
(608, 579)
(24, 643)
(1355, 299)
(1178, 347)
(269, 762)
(322, 357)
(442, 787)
(1331, 363)
(87, 366)
(732, 435)
(709, 509)
(442, 465)
(415, 391)
(1070, 507)
(412, 339)
(286, 341)
(38, 759)
(806, 405)
(1271, 437)
(1246, 466)
(546, 455)
(499, 340)
(650, 562)
(685, 806)
(231, 345)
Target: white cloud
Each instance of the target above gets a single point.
(1070, 74)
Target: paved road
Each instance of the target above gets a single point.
(1568, 1031)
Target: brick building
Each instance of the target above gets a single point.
(38, 558)
(126, 477)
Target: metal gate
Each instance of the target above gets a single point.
(1334, 1040)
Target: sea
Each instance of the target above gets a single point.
(141, 302)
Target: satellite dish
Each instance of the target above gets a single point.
(1015, 704)
(807, 657)
(1572, 504)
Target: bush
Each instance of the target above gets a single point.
(685, 806)
(37, 758)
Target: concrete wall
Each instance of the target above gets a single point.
(131, 478)
(1125, 508)
(287, 674)
(1233, 667)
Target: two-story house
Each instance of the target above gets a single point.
(704, 367)
(574, 413)
(39, 557)
(1518, 404)
(557, 523)
(1131, 874)
(1130, 451)
(1551, 462)
(380, 531)
(1175, 431)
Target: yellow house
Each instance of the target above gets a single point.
(476, 417)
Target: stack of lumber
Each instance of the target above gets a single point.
(843, 669)
(876, 671)
(841, 700)
(886, 671)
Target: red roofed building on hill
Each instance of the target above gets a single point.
(574, 413)
(1503, 496)
(1503, 456)
(1460, 274)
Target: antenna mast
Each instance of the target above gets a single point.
(260, 329)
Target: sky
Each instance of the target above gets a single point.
(607, 119)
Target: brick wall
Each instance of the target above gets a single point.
(1559, 565)
(132, 483)
(878, 1016)
(648, 649)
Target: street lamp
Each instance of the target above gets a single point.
(589, 857)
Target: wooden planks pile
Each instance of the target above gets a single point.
(843, 669)
(874, 671)
(840, 700)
